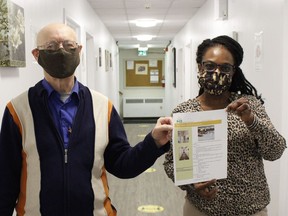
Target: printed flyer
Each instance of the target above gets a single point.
(200, 146)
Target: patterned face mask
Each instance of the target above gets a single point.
(214, 83)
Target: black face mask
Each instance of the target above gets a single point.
(60, 63)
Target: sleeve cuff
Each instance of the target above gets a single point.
(254, 124)
(163, 149)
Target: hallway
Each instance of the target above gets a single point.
(150, 188)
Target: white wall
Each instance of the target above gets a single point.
(247, 18)
(39, 13)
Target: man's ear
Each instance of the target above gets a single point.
(80, 48)
(35, 53)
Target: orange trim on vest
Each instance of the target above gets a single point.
(110, 105)
(23, 182)
(107, 203)
(15, 116)
(22, 195)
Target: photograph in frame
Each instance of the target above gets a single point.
(12, 35)
(141, 69)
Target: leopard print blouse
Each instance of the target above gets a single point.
(245, 190)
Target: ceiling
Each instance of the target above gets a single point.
(118, 14)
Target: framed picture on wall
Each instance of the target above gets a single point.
(174, 66)
(12, 35)
(100, 58)
(141, 69)
(107, 60)
(110, 60)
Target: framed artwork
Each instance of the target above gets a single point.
(100, 58)
(110, 60)
(141, 69)
(174, 66)
(12, 35)
(107, 60)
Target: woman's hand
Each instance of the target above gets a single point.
(207, 190)
(242, 108)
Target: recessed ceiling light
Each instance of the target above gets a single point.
(144, 37)
(145, 23)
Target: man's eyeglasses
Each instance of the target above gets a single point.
(55, 45)
(211, 67)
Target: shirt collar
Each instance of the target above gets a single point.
(50, 89)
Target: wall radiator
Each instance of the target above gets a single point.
(143, 107)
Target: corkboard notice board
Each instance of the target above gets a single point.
(147, 73)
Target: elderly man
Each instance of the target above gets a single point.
(59, 138)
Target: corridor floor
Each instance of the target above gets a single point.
(152, 192)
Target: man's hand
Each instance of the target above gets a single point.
(162, 131)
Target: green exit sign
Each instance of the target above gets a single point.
(142, 53)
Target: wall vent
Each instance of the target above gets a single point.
(143, 107)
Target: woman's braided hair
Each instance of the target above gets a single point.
(239, 83)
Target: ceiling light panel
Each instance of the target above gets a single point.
(145, 23)
(144, 37)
